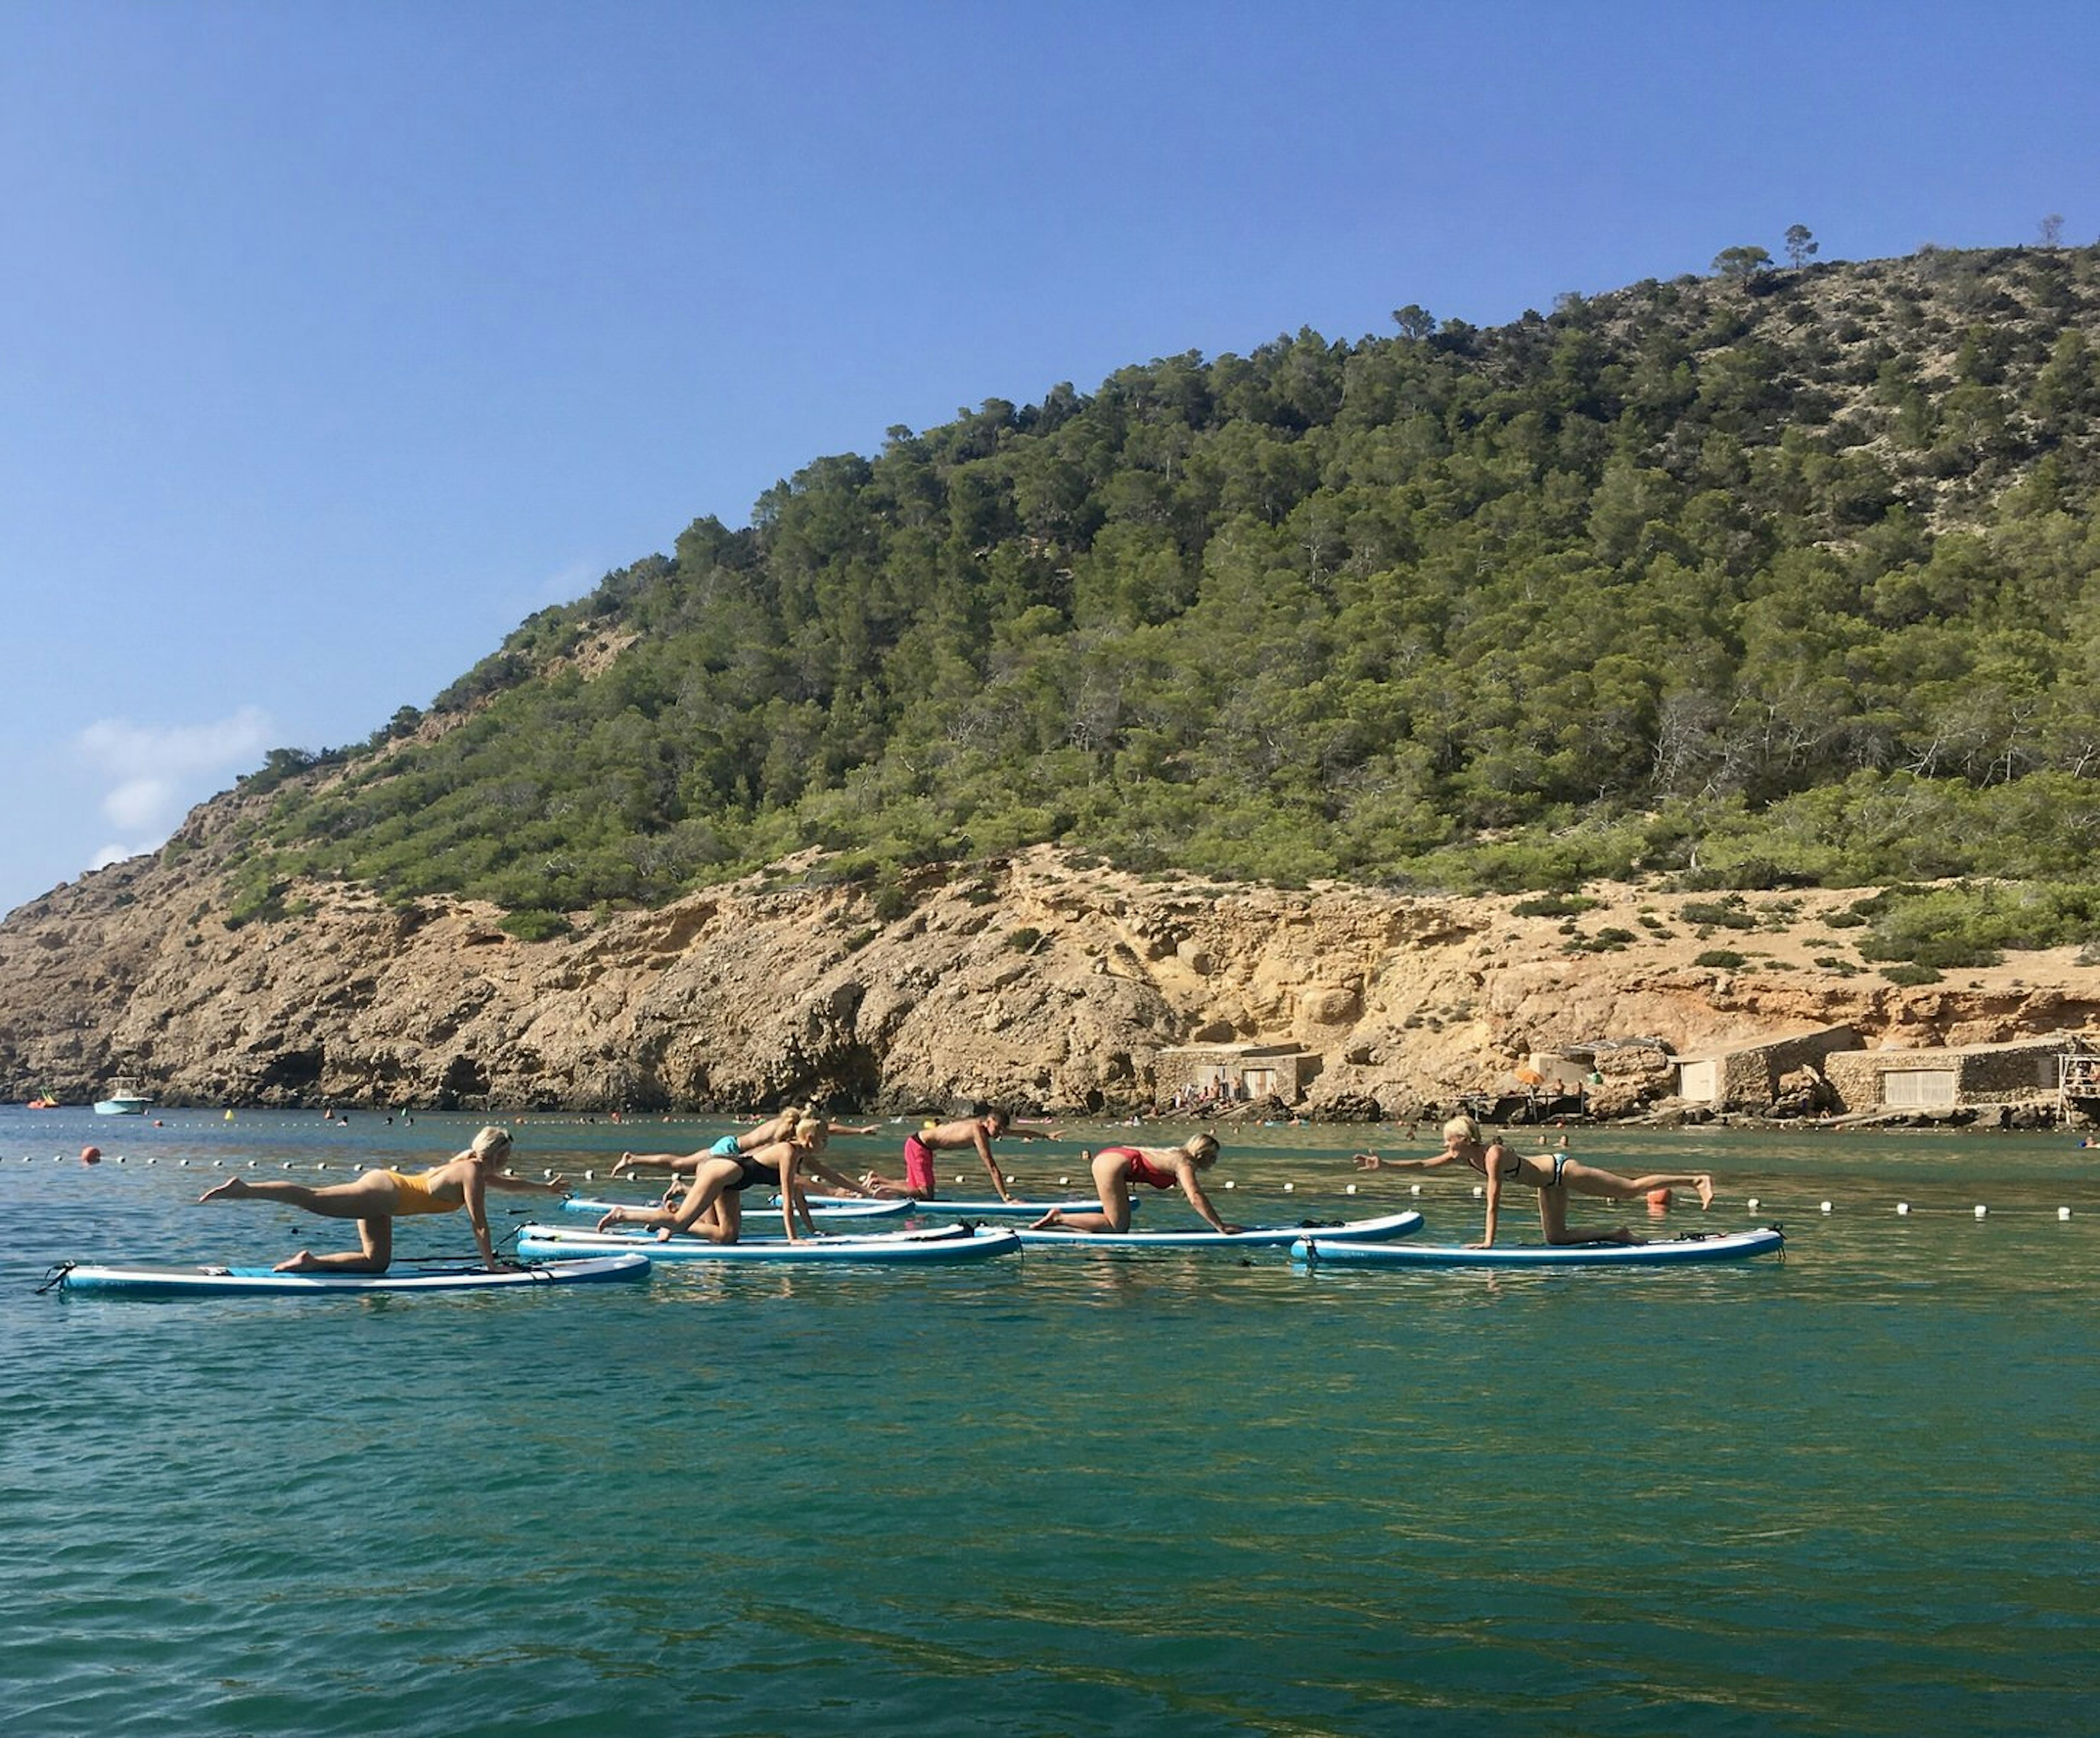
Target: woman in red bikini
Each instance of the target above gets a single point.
(1555, 1175)
(379, 1197)
(1116, 1168)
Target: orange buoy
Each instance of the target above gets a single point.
(90, 1155)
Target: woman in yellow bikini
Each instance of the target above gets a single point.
(1555, 1175)
(379, 1197)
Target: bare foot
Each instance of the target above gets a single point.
(622, 1165)
(302, 1263)
(614, 1216)
(1054, 1217)
(1706, 1193)
(232, 1189)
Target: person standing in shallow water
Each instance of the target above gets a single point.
(379, 1197)
(1555, 1175)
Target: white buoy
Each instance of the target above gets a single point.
(1478, 1192)
(1229, 1184)
(590, 1176)
(1064, 1182)
(321, 1164)
(1903, 1206)
(1826, 1207)
(1350, 1190)
(153, 1161)
(120, 1158)
(183, 1162)
(1751, 1205)
(2061, 1212)
(254, 1162)
(1414, 1188)
(1981, 1212)
(1290, 1188)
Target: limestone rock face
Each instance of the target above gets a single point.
(1028, 981)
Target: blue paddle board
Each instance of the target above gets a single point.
(1321, 1250)
(205, 1282)
(943, 1243)
(826, 1210)
(1261, 1237)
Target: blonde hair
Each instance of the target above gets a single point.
(1464, 1127)
(1204, 1149)
(489, 1141)
(810, 1131)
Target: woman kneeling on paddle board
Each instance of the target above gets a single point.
(1116, 1168)
(379, 1197)
(714, 1206)
(776, 1127)
(1554, 1175)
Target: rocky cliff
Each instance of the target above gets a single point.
(1034, 980)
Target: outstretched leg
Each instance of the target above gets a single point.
(370, 1196)
(1588, 1179)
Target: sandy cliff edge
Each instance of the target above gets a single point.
(1032, 980)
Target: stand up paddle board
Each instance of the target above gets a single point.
(938, 1243)
(1320, 1249)
(1260, 1237)
(205, 1282)
(990, 1208)
(828, 1210)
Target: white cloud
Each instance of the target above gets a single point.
(156, 771)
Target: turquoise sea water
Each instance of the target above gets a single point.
(1851, 1494)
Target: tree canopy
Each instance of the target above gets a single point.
(1777, 577)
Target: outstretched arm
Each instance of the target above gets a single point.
(1372, 1161)
(527, 1185)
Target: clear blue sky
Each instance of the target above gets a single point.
(336, 339)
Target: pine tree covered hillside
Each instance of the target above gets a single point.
(1781, 577)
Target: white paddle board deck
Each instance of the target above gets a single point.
(1321, 1250)
(1261, 1237)
(206, 1281)
(829, 1210)
(938, 1244)
(990, 1208)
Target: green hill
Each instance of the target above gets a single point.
(1778, 577)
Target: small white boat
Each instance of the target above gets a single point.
(122, 1103)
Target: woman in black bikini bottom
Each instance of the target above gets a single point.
(1555, 1175)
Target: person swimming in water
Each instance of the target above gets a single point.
(1116, 1168)
(1555, 1175)
(379, 1197)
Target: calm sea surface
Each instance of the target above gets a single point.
(1854, 1492)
